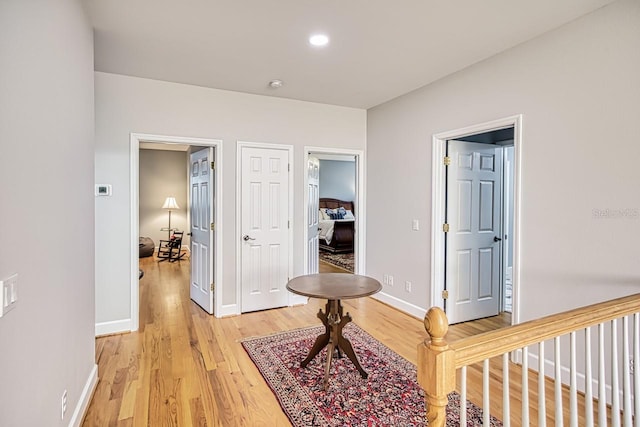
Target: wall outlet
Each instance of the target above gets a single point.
(632, 365)
(390, 280)
(385, 279)
(407, 286)
(63, 404)
(415, 225)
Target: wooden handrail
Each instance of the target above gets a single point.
(438, 360)
(479, 347)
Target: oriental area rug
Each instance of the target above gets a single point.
(344, 261)
(390, 396)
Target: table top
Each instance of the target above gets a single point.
(334, 286)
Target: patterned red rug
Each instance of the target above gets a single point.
(390, 396)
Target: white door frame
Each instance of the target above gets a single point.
(289, 149)
(438, 204)
(360, 200)
(134, 171)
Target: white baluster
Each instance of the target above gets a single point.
(506, 404)
(573, 387)
(626, 375)
(463, 396)
(588, 380)
(602, 396)
(636, 360)
(542, 399)
(558, 383)
(525, 386)
(485, 393)
(615, 381)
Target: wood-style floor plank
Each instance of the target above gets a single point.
(184, 367)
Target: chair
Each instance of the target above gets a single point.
(171, 249)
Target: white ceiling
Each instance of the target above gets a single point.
(379, 49)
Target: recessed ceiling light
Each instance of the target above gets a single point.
(319, 39)
(275, 84)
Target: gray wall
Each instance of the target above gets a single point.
(338, 180)
(578, 88)
(162, 174)
(47, 209)
(129, 104)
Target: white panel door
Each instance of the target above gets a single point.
(201, 188)
(264, 228)
(313, 179)
(474, 206)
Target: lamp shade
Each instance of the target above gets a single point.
(170, 203)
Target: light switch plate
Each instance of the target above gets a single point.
(9, 297)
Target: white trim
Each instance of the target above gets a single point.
(113, 327)
(228, 310)
(85, 398)
(438, 172)
(360, 202)
(134, 177)
(402, 305)
(248, 144)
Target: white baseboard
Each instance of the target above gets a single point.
(85, 398)
(401, 305)
(228, 310)
(297, 300)
(113, 327)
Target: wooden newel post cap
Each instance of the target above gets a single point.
(436, 325)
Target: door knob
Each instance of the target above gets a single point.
(496, 239)
(246, 238)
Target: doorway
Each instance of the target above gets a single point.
(214, 258)
(475, 227)
(339, 240)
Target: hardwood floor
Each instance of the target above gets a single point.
(325, 267)
(184, 367)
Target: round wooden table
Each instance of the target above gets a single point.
(333, 287)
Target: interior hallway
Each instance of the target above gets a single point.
(184, 367)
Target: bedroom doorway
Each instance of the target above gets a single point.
(212, 262)
(475, 227)
(334, 210)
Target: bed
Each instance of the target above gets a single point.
(336, 235)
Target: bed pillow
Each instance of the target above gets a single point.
(349, 215)
(334, 214)
(323, 215)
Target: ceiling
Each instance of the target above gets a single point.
(378, 50)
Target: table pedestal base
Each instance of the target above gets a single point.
(333, 321)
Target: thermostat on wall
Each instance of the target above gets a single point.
(103, 189)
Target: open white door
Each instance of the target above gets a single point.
(313, 179)
(264, 174)
(474, 185)
(201, 184)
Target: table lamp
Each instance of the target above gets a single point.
(170, 203)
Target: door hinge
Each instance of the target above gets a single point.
(213, 165)
(213, 226)
(445, 227)
(447, 161)
(445, 294)
(288, 224)
(288, 167)
(212, 287)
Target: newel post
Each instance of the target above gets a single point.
(436, 367)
